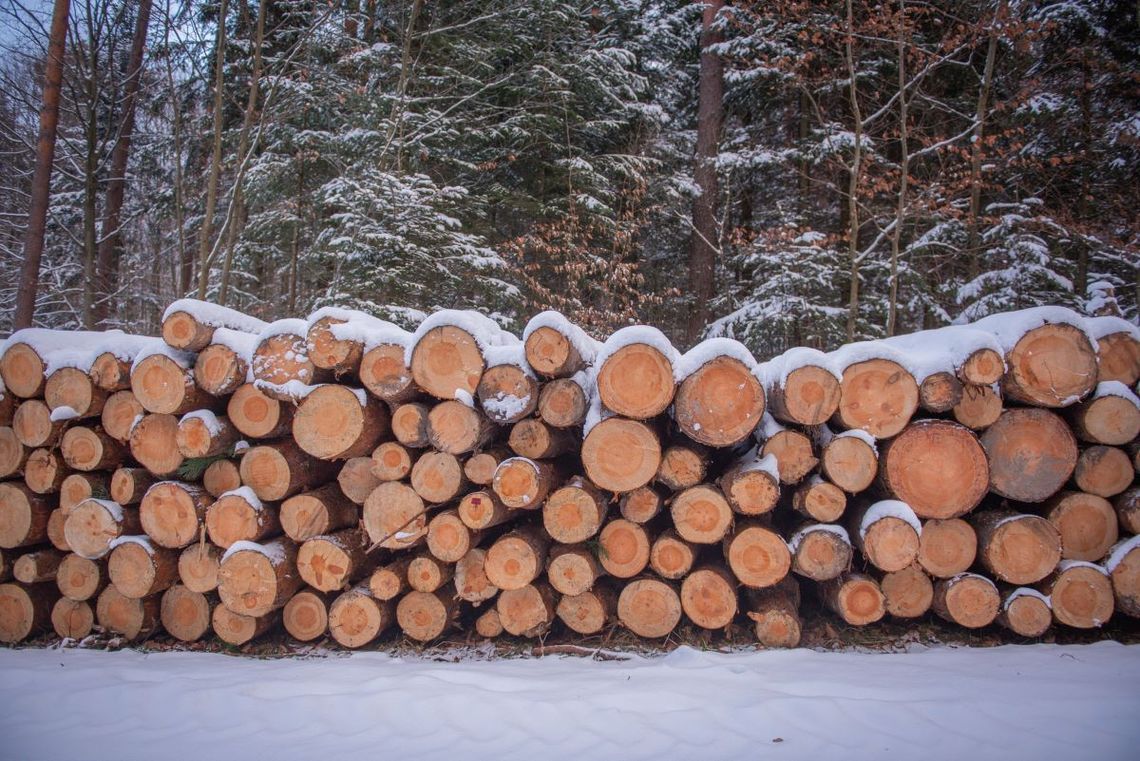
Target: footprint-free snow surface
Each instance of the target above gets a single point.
(1035, 702)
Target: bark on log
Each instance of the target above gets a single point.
(23, 516)
(1031, 453)
(937, 467)
(720, 404)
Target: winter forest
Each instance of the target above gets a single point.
(781, 172)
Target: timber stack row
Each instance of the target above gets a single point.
(342, 476)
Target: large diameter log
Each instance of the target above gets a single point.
(1087, 525)
(13, 454)
(281, 469)
(94, 523)
(682, 466)
(535, 439)
(636, 381)
(79, 486)
(670, 556)
(455, 428)
(877, 396)
(88, 449)
(72, 619)
(819, 500)
(1109, 419)
(239, 516)
(516, 559)
(356, 618)
(154, 443)
(507, 393)
(410, 423)
(33, 425)
(793, 453)
(438, 477)
(752, 488)
(255, 579)
(1118, 358)
(483, 509)
(317, 512)
(23, 516)
(73, 388)
(1025, 611)
(562, 403)
(331, 561)
(79, 578)
(220, 477)
(938, 468)
(1050, 366)
(395, 516)
(172, 513)
(850, 461)
(306, 615)
(574, 512)
(523, 484)
(134, 619)
(947, 548)
(448, 538)
(809, 395)
(258, 415)
(588, 612)
(887, 533)
(979, 408)
(198, 567)
(552, 354)
(1080, 595)
(219, 370)
(649, 607)
(237, 628)
(856, 598)
(708, 597)
(621, 455)
(391, 461)
(1123, 566)
(120, 413)
(22, 370)
(572, 569)
(447, 359)
(1018, 549)
(720, 404)
(204, 434)
(45, 471)
(424, 616)
(908, 592)
(701, 515)
(821, 552)
(38, 566)
(939, 392)
(471, 582)
(185, 614)
(163, 386)
(775, 614)
(623, 548)
(384, 373)
(641, 505)
(969, 600)
(25, 610)
(1103, 471)
(428, 574)
(1031, 453)
(139, 569)
(757, 555)
(336, 423)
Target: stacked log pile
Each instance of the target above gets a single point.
(341, 476)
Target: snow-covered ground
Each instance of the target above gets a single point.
(1035, 702)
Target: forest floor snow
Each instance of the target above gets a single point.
(1036, 702)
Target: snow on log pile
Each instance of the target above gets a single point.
(341, 476)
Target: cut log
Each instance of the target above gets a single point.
(979, 408)
(79, 486)
(708, 597)
(753, 487)
(336, 422)
(395, 517)
(34, 427)
(204, 434)
(321, 511)
(641, 505)
(94, 523)
(154, 443)
(1050, 366)
(23, 516)
(1112, 420)
(237, 629)
(281, 469)
(887, 533)
(448, 538)
(306, 615)
(390, 581)
(438, 477)
(574, 512)
(523, 484)
(281, 357)
(572, 569)
(256, 579)
(38, 566)
(636, 381)
(670, 556)
(877, 396)
(424, 616)
(390, 461)
(649, 607)
(328, 352)
(623, 548)
(536, 440)
(447, 359)
(220, 477)
(701, 515)
(1127, 506)
(55, 524)
(1118, 358)
(551, 354)
(821, 552)
(820, 500)
(1026, 612)
(969, 600)
(793, 453)
(45, 471)
(1080, 595)
(357, 480)
(488, 625)
(856, 598)
(1031, 453)
(384, 373)
(507, 393)
(110, 372)
(356, 618)
(720, 404)
(483, 509)
(139, 569)
(757, 555)
(682, 466)
(947, 548)
(78, 578)
(198, 567)
(563, 403)
(527, 611)
(939, 392)
(1103, 471)
(410, 424)
(71, 387)
(428, 574)
(621, 455)
(516, 559)
(239, 516)
(471, 582)
(983, 367)
(908, 592)
(936, 467)
(809, 396)
(182, 330)
(13, 454)
(25, 610)
(88, 449)
(775, 613)
(172, 513)
(7, 408)
(455, 428)
(1123, 566)
(850, 462)
(258, 415)
(130, 617)
(22, 370)
(120, 413)
(480, 467)
(1087, 525)
(72, 619)
(1018, 549)
(185, 614)
(162, 385)
(589, 612)
(219, 370)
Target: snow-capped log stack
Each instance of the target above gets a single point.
(346, 478)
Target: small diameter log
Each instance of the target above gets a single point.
(1103, 471)
(410, 425)
(471, 582)
(88, 449)
(281, 469)
(507, 393)
(819, 500)
(939, 392)
(589, 612)
(71, 387)
(574, 512)
(438, 477)
(1123, 566)
(516, 559)
(757, 555)
(219, 370)
(395, 516)
(1018, 549)
(701, 515)
(856, 598)
(979, 408)
(623, 548)
(357, 480)
(720, 404)
(877, 396)
(220, 477)
(283, 357)
(908, 592)
(483, 509)
(775, 613)
(255, 579)
(258, 415)
(237, 629)
(708, 597)
(752, 488)
(328, 352)
(38, 566)
(535, 439)
(182, 330)
(383, 372)
(480, 467)
(135, 619)
(1080, 595)
(850, 461)
(969, 600)
(55, 524)
(154, 443)
(120, 413)
(198, 567)
(1031, 453)
(306, 615)
(572, 569)
(390, 581)
(983, 367)
(240, 516)
(427, 574)
(185, 614)
(1118, 358)
(172, 513)
(94, 523)
(1127, 506)
(25, 610)
(332, 561)
(947, 548)
(79, 486)
(448, 538)
(34, 427)
(72, 619)
(164, 386)
(204, 434)
(336, 422)
(808, 396)
(111, 372)
(621, 455)
(424, 616)
(1087, 525)
(636, 381)
(321, 511)
(488, 625)
(447, 359)
(793, 453)
(552, 354)
(1026, 611)
(670, 556)
(641, 505)
(649, 607)
(13, 454)
(391, 461)
(887, 533)
(527, 611)
(563, 403)
(45, 471)
(1049, 366)
(523, 484)
(22, 370)
(455, 428)
(821, 551)
(936, 467)
(23, 516)
(139, 569)
(1110, 419)
(682, 466)
(356, 618)
(79, 578)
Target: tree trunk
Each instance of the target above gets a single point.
(853, 182)
(205, 233)
(973, 239)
